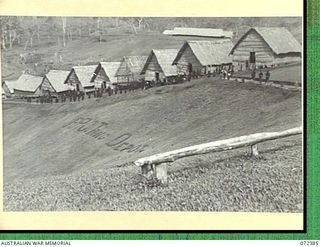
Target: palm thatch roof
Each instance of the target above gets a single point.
(201, 32)
(110, 69)
(131, 65)
(57, 79)
(208, 52)
(84, 74)
(27, 83)
(164, 57)
(10, 85)
(279, 39)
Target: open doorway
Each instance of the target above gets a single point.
(157, 76)
(252, 58)
(189, 68)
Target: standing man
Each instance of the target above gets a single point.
(267, 75)
(260, 76)
(253, 74)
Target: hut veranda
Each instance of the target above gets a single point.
(80, 77)
(265, 46)
(159, 67)
(201, 57)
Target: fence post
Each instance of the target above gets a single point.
(254, 150)
(161, 171)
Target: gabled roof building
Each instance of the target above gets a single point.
(158, 66)
(80, 78)
(201, 56)
(54, 82)
(266, 46)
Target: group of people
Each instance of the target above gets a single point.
(73, 95)
(226, 74)
(260, 75)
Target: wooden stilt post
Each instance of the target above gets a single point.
(161, 172)
(254, 150)
(147, 171)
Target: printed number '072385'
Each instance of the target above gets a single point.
(309, 243)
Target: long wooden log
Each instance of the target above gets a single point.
(228, 144)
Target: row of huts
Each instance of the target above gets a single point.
(258, 46)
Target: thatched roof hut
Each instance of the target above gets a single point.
(8, 86)
(266, 46)
(80, 78)
(198, 56)
(159, 65)
(105, 74)
(130, 69)
(27, 85)
(54, 82)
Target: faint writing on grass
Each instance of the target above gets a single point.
(99, 131)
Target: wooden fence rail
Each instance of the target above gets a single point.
(156, 165)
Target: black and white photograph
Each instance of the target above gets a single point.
(144, 113)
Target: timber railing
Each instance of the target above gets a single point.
(155, 166)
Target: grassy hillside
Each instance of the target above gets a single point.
(52, 163)
(41, 140)
(227, 181)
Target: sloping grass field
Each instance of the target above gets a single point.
(77, 156)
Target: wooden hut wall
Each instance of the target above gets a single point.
(125, 78)
(186, 58)
(73, 80)
(46, 87)
(6, 89)
(100, 77)
(124, 73)
(38, 92)
(253, 43)
(20, 93)
(151, 75)
(152, 69)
